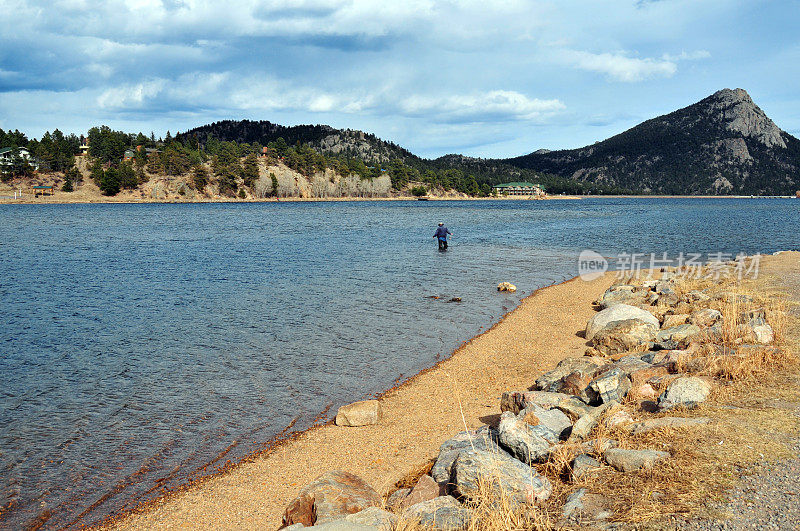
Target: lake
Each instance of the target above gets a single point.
(146, 345)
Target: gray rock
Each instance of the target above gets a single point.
(622, 336)
(681, 335)
(598, 446)
(575, 408)
(584, 464)
(529, 444)
(481, 439)
(374, 517)
(649, 425)
(611, 386)
(624, 294)
(443, 512)
(696, 296)
(395, 500)
(552, 419)
(516, 401)
(757, 330)
(584, 425)
(631, 460)
(618, 312)
(518, 481)
(361, 413)
(706, 318)
(552, 380)
(687, 391)
(574, 503)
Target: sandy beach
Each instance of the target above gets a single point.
(418, 417)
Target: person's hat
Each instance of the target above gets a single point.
(440, 223)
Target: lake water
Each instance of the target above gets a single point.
(143, 345)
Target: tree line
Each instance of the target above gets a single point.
(121, 160)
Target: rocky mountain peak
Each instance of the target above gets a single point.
(736, 109)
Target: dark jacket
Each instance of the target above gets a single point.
(442, 232)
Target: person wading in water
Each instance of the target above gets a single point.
(441, 234)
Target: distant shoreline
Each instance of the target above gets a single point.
(57, 200)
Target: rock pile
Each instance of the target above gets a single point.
(641, 344)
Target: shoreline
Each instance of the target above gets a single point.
(213, 500)
(128, 201)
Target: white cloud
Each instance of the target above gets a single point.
(495, 105)
(130, 96)
(618, 66)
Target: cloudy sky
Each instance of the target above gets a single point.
(482, 78)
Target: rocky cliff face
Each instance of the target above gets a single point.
(724, 144)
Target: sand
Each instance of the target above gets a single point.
(418, 417)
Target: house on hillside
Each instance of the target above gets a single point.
(84, 147)
(7, 157)
(518, 188)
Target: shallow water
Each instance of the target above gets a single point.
(147, 344)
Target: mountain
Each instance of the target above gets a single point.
(456, 171)
(724, 144)
(322, 138)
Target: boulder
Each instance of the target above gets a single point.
(757, 330)
(644, 375)
(597, 446)
(696, 296)
(632, 460)
(706, 318)
(618, 418)
(443, 512)
(552, 419)
(374, 518)
(575, 408)
(681, 335)
(675, 320)
(622, 336)
(649, 425)
(516, 401)
(584, 425)
(361, 413)
(529, 444)
(611, 386)
(481, 439)
(623, 294)
(587, 510)
(331, 496)
(618, 312)
(425, 489)
(687, 391)
(506, 286)
(645, 391)
(340, 525)
(574, 504)
(583, 465)
(396, 499)
(552, 381)
(506, 475)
